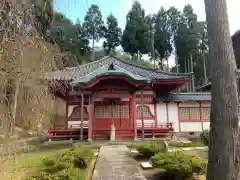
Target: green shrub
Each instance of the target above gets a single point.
(70, 164)
(179, 165)
(190, 144)
(148, 149)
(205, 137)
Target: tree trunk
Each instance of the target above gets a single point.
(161, 63)
(186, 71)
(193, 78)
(93, 49)
(167, 65)
(223, 161)
(204, 70)
(14, 111)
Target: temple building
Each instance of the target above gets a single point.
(112, 95)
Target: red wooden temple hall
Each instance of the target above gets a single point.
(110, 93)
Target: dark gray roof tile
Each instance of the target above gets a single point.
(185, 97)
(83, 70)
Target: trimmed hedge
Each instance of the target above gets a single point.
(148, 149)
(178, 165)
(70, 164)
(205, 137)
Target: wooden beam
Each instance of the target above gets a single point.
(142, 114)
(134, 110)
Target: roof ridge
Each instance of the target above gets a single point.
(89, 74)
(191, 93)
(87, 64)
(150, 69)
(128, 71)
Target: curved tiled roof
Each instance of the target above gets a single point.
(206, 96)
(74, 73)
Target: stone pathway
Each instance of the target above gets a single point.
(116, 163)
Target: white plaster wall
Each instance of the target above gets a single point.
(161, 113)
(71, 108)
(173, 115)
(206, 125)
(191, 126)
(77, 124)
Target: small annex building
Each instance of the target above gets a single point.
(111, 92)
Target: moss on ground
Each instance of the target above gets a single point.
(186, 144)
(64, 164)
(179, 165)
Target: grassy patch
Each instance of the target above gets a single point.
(188, 144)
(69, 164)
(64, 164)
(179, 164)
(148, 149)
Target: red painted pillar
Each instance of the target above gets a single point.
(66, 119)
(130, 111)
(134, 115)
(90, 122)
(201, 119)
(155, 108)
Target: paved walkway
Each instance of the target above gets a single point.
(116, 163)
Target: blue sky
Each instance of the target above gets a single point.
(74, 9)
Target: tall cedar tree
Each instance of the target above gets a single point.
(112, 34)
(162, 36)
(223, 162)
(136, 36)
(152, 52)
(93, 26)
(69, 37)
(43, 12)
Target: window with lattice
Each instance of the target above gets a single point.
(109, 111)
(189, 113)
(145, 99)
(184, 113)
(206, 113)
(124, 109)
(146, 112)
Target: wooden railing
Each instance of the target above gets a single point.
(65, 133)
(104, 133)
(156, 126)
(150, 130)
